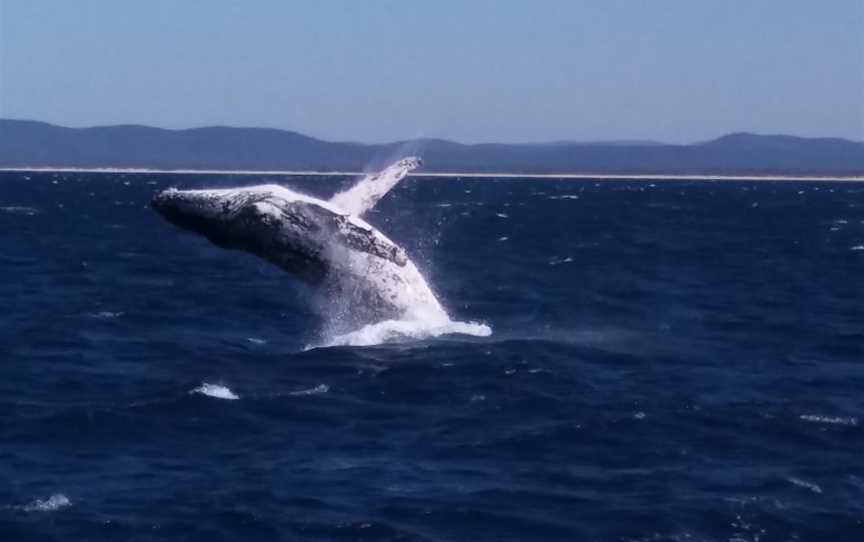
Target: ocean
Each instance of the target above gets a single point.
(668, 360)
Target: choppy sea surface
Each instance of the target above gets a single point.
(669, 360)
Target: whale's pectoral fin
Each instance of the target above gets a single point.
(368, 191)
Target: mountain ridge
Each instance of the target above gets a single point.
(30, 143)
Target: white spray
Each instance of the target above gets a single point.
(423, 315)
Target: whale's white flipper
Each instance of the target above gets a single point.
(368, 191)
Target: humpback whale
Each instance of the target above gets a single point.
(326, 244)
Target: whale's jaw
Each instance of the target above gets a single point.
(196, 211)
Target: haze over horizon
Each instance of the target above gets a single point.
(486, 71)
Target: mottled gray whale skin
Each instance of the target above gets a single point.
(291, 230)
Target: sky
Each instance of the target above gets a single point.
(469, 70)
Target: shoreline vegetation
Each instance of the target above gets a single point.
(473, 175)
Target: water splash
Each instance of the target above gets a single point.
(350, 320)
(389, 331)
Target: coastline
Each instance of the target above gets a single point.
(469, 175)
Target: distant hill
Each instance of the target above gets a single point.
(37, 144)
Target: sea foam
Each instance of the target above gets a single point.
(54, 502)
(830, 420)
(406, 330)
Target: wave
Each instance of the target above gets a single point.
(101, 315)
(806, 485)
(830, 420)
(317, 390)
(215, 390)
(19, 210)
(54, 502)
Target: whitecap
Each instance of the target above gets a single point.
(215, 390)
(502, 215)
(806, 485)
(857, 247)
(106, 314)
(19, 210)
(317, 390)
(255, 340)
(54, 502)
(559, 261)
(831, 420)
(503, 238)
(565, 196)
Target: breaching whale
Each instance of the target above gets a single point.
(324, 243)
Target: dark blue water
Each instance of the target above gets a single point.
(670, 361)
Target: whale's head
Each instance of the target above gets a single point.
(203, 212)
(261, 220)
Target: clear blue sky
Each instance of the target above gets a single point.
(470, 70)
